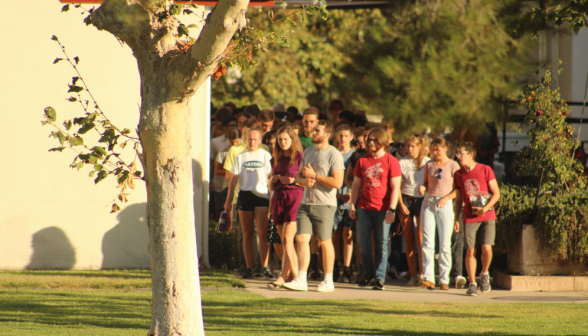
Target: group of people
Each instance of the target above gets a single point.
(343, 189)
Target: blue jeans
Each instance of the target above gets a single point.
(441, 220)
(368, 221)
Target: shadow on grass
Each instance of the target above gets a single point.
(122, 274)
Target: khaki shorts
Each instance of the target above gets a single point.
(485, 232)
(316, 217)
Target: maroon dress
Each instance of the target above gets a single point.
(286, 197)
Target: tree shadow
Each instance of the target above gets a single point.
(51, 250)
(126, 244)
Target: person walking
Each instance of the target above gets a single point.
(321, 175)
(413, 176)
(287, 194)
(476, 185)
(437, 214)
(377, 180)
(251, 170)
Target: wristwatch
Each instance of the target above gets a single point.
(294, 181)
(392, 210)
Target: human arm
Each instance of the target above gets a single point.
(394, 198)
(349, 177)
(232, 186)
(303, 181)
(446, 198)
(457, 208)
(219, 170)
(355, 190)
(425, 185)
(495, 191)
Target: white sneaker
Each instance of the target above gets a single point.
(325, 287)
(296, 285)
(460, 282)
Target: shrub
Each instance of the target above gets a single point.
(514, 209)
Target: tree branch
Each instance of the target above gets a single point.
(124, 19)
(227, 17)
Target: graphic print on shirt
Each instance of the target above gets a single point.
(373, 174)
(472, 186)
(252, 166)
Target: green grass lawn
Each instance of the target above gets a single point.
(118, 303)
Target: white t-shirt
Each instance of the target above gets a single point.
(253, 169)
(411, 178)
(220, 158)
(216, 145)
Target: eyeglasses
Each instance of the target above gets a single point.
(439, 170)
(461, 153)
(372, 139)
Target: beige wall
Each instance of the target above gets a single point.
(50, 215)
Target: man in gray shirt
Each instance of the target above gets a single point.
(322, 174)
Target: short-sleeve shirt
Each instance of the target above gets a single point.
(230, 159)
(305, 141)
(344, 189)
(440, 179)
(375, 184)
(253, 169)
(220, 158)
(412, 178)
(285, 168)
(323, 162)
(217, 144)
(355, 157)
(471, 184)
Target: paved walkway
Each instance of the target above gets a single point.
(396, 290)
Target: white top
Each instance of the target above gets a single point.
(220, 158)
(253, 169)
(411, 178)
(216, 145)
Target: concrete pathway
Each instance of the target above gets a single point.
(396, 290)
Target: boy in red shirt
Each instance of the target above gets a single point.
(377, 179)
(476, 185)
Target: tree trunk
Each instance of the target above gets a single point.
(165, 136)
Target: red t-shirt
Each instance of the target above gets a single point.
(472, 184)
(376, 175)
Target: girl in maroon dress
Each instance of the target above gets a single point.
(287, 194)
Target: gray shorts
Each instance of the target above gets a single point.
(485, 232)
(316, 217)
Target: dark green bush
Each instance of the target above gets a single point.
(221, 248)
(514, 209)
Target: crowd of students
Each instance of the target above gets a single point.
(344, 192)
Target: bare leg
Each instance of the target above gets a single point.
(347, 246)
(328, 255)
(409, 241)
(246, 218)
(261, 221)
(471, 264)
(486, 257)
(290, 258)
(302, 242)
(281, 252)
(419, 243)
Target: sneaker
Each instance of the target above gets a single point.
(485, 283)
(444, 286)
(460, 282)
(378, 284)
(392, 273)
(473, 290)
(241, 270)
(427, 284)
(296, 285)
(248, 274)
(325, 286)
(414, 281)
(257, 272)
(360, 275)
(365, 282)
(346, 276)
(267, 273)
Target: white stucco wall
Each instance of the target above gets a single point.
(50, 215)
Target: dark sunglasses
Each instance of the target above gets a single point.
(439, 170)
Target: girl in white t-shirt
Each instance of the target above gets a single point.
(251, 170)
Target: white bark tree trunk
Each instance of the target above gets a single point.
(169, 78)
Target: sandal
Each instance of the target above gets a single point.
(275, 286)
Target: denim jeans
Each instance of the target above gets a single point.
(441, 220)
(368, 221)
(457, 242)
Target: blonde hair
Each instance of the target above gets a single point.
(418, 140)
(294, 149)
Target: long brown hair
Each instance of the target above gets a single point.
(418, 140)
(295, 148)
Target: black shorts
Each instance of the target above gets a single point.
(413, 204)
(248, 201)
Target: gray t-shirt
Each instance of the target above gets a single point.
(323, 162)
(345, 190)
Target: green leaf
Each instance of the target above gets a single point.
(108, 136)
(99, 151)
(67, 124)
(76, 141)
(115, 208)
(188, 11)
(126, 131)
(97, 167)
(50, 113)
(57, 149)
(65, 8)
(183, 30)
(87, 126)
(80, 165)
(576, 29)
(80, 121)
(60, 136)
(57, 60)
(123, 177)
(192, 26)
(74, 80)
(88, 20)
(54, 38)
(138, 173)
(175, 9)
(74, 88)
(101, 176)
(92, 159)
(92, 173)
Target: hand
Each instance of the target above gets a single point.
(422, 190)
(308, 172)
(390, 217)
(345, 198)
(479, 211)
(269, 213)
(228, 206)
(404, 209)
(286, 180)
(275, 179)
(456, 227)
(310, 183)
(352, 214)
(442, 202)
